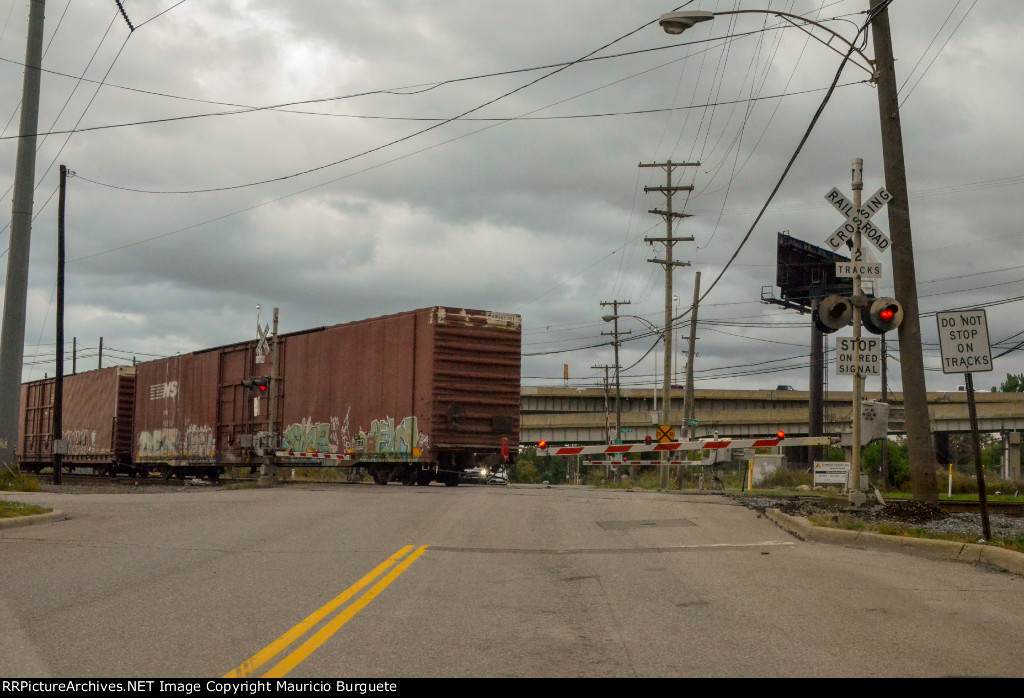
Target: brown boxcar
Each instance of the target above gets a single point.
(415, 396)
(97, 420)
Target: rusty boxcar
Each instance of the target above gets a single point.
(97, 421)
(412, 397)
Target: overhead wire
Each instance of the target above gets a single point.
(395, 141)
(817, 115)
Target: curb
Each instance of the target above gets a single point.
(18, 521)
(1001, 558)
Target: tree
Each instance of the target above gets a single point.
(898, 464)
(531, 468)
(1014, 383)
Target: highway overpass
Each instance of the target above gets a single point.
(568, 415)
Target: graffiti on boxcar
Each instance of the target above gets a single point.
(159, 442)
(199, 441)
(385, 437)
(81, 441)
(308, 435)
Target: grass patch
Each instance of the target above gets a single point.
(853, 523)
(843, 521)
(9, 510)
(17, 482)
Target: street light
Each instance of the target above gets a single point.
(677, 22)
(883, 75)
(666, 396)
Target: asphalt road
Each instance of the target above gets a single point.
(514, 581)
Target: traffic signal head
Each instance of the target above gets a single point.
(542, 444)
(257, 385)
(884, 314)
(832, 313)
(647, 440)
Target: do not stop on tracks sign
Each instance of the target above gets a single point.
(963, 341)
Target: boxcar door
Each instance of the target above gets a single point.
(234, 408)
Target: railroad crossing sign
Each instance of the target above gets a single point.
(262, 346)
(870, 356)
(963, 341)
(838, 239)
(666, 434)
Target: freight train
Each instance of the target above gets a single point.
(414, 397)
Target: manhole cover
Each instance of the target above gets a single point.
(644, 523)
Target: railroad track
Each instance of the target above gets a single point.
(960, 506)
(956, 506)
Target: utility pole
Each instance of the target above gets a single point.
(12, 337)
(58, 381)
(915, 398)
(669, 241)
(615, 332)
(99, 361)
(688, 406)
(607, 417)
(816, 388)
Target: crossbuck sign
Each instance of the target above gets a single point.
(262, 346)
(868, 208)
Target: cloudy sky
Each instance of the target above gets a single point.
(344, 159)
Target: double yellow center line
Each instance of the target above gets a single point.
(249, 666)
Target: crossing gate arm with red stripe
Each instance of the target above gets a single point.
(684, 446)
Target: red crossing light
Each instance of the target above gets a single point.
(542, 444)
(781, 434)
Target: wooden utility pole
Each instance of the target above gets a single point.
(615, 333)
(670, 264)
(915, 398)
(688, 406)
(607, 417)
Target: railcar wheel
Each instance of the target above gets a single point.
(424, 477)
(166, 472)
(408, 475)
(380, 474)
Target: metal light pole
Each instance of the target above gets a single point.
(662, 334)
(12, 338)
